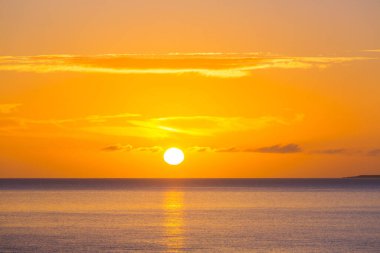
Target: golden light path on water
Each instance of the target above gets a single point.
(174, 221)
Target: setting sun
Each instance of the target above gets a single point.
(174, 156)
(202, 125)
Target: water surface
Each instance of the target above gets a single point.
(190, 215)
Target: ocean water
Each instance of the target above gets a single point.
(190, 215)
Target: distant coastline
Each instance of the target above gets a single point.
(365, 176)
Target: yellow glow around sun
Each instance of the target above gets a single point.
(174, 156)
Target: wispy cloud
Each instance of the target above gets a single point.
(229, 150)
(136, 125)
(338, 151)
(275, 149)
(222, 65)
(374, 152)
(331, 151)
(282, 149)
(211, 125)
(8, 108)
(118, 147)
(200, 149)
(372, 50)
(128, 148)
(185, 125)
(290, 148)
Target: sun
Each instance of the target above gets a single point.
(174, 156)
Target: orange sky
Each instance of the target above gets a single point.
(245, 88)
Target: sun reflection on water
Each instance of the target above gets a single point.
(174, 223)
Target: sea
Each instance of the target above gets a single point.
(190, 215)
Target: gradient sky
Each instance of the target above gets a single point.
(246, 88)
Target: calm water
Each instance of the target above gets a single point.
(256, 215)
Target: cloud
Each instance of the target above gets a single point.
(136, 125)
(98, 119)
(275, 149)
(128, 148)
(289, 148)
(162, 127)
(222, 65)
(280, 149)
(118, 147)
(284, 149)
(331, 151)
(149, 149)
(200, 149)
(211, 125)
(10, 123)
(374, 152)
(228, 150)
(8, 108)
(104, 118)
(372, 50)
(337, 151)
